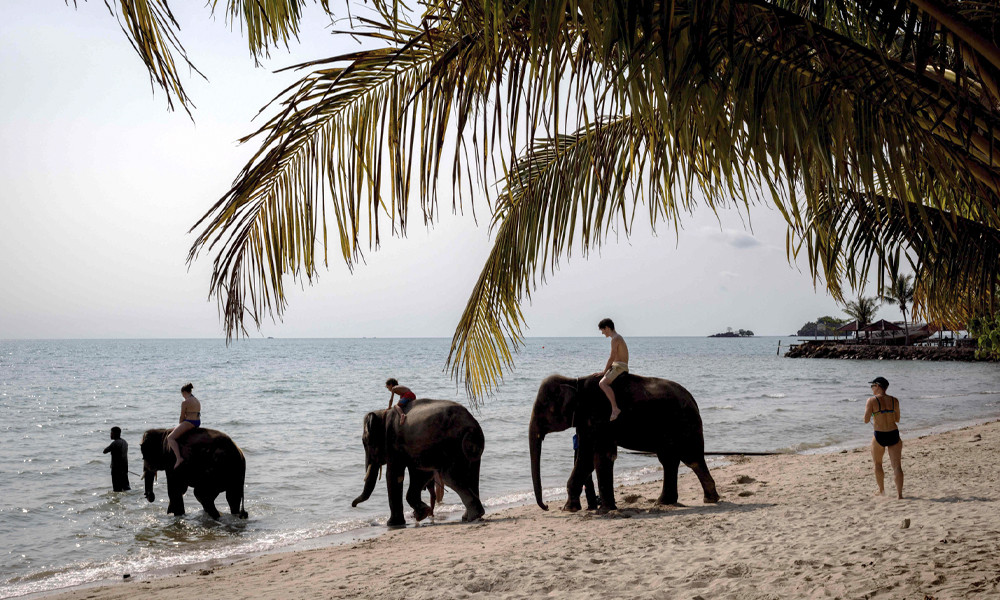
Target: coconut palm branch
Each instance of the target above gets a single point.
(818, 105)
(568, 190)
(849, 123)
(349, 135)
(154, 34)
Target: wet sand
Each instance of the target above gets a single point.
(788, 526)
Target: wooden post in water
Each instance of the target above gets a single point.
(778, 353)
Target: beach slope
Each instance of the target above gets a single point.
(789, 526)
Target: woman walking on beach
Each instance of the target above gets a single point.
(883, 412)
(190, 419)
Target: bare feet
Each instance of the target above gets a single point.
(614, 413)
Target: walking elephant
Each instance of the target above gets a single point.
(213, 464)
(437, 435)
(658, 416)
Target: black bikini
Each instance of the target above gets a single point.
(885, 438)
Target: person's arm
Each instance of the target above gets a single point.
(896, 402)
(868, 410)
(109, 448)
(391, 396)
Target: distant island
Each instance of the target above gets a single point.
(729, 333)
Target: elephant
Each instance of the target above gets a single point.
(437, 435)
(213, 463)
(658, 416)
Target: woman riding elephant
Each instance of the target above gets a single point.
(213, 464)
(438, 435)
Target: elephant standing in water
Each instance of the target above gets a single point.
(213, 464)
(658, 416)
(438, 435)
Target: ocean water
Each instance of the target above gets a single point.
(296, 406)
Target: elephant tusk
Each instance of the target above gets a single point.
(368, 472)
(380, 472)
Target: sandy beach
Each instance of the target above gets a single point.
(788, 526)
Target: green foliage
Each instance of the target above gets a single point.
(986, 330)
(821, 327)
(871, 126)
(862, 310)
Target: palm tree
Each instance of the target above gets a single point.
(871, 126)
(862, 310)
(900, 293)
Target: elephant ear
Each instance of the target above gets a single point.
(569, 400)
(374, 436)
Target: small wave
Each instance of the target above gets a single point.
(775, 395)
(726, 407)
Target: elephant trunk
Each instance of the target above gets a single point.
(535, 437)
(148, 476)
(371, 477)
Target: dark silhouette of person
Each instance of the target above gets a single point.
(119, 461)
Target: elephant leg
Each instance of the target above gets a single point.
(707, 483)
(460, 478)
(670, 462)
(593, 501)
(175, 494)
(604, 463)
(583, 467)
(394, 483)
(234, 497)
(207, 499)
(418, 481)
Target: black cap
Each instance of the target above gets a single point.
(881, 381)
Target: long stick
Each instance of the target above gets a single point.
(716, 453)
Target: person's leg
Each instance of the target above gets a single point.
(172, 440)
(610, 393)
(438, 487)
(877, 453)
(896, 458)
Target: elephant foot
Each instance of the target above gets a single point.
(711, 499)
(471, 515)
(396, 523)
(422, 512)
(571, 506)
(667, 500)
(595, 504)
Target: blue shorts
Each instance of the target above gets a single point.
(195, 422)
(404, 400)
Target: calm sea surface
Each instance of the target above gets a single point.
(295, 407)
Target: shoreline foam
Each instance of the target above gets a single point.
(804, 525)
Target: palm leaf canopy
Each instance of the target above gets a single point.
(871, 125)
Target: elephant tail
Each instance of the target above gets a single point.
(242, 483)
(473, 443)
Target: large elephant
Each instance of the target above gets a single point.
(213, 464)
(437, 435)
(658, 416)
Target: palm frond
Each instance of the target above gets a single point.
(152, 30)
(351, 133)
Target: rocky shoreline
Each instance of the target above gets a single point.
(827, 349)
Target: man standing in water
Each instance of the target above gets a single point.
(119, 461)
(883, 411)
(617, 363)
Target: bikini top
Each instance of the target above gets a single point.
(880, 411)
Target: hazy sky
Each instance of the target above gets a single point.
(99, 185)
